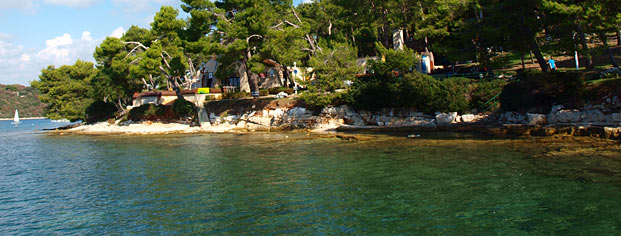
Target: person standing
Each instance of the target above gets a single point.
(552, 64)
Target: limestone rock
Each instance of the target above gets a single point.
(297, 112)
(565, 116)
(512, 118)
(264, 121)
(467, 118)
(536, 119)
(446, 118)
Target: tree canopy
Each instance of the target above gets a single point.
(327, 35)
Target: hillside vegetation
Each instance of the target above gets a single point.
(26, 99)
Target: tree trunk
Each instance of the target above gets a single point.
(175, 87)
(619, 37)
(244, 84)
(286, 76)
(611, 55)
(523, 64)
(253, 79)
(585, 48)
(532, 41)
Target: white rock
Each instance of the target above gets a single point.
(264, 121)
(277, 113)
(297, 112)
(467, 118)
(282, 95)
(536, 119)
(446, 118)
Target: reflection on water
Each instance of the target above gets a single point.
(291, 183)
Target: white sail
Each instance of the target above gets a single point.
(16, 118)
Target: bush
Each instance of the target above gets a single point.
(414, 90)
(263, 92)
(538, 92)
(146, 112)
(183, 108)
(316, 101)
(274, 91)
(373, 95)
(100, 111)
(484, 91)
(235, 95)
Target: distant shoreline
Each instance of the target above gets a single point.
(26, 118)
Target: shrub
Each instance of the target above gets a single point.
(484, 91)
(277, 90)
(183, 108)
(317, 101)
(373, 94)
(100, 111)
(235, 95)
(146, 112)
(263, 92)
(538, 92)
(414, 90)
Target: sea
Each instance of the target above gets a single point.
(297, 183)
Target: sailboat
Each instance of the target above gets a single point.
(16, 117)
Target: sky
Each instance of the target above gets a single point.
(38, 33)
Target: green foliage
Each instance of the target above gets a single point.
(485, 90)
(317, 101)
(275, 91)
(263, 92)
(179, 110)
(401, 61)
(66, 90)
(236, 95)
(332, 67)
(11, 88)
(538, 92)
(26, 99)
(183, 108)
(100, 111)
(146, 112)
(414, 90)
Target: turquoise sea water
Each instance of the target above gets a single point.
(296, 184)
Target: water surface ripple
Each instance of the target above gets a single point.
(290, 183)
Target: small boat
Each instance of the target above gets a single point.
(16, 117)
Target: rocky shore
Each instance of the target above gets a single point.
(594, 121)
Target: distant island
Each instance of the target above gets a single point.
(25, 99)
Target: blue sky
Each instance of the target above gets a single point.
(37, 33)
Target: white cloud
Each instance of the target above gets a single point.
(20, 66)
(118, 32)
(86, 36)
(6, 37)
(72, 3)
(27, 5)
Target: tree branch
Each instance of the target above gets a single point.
(253, 36)
(296, 15)
(135, 60)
